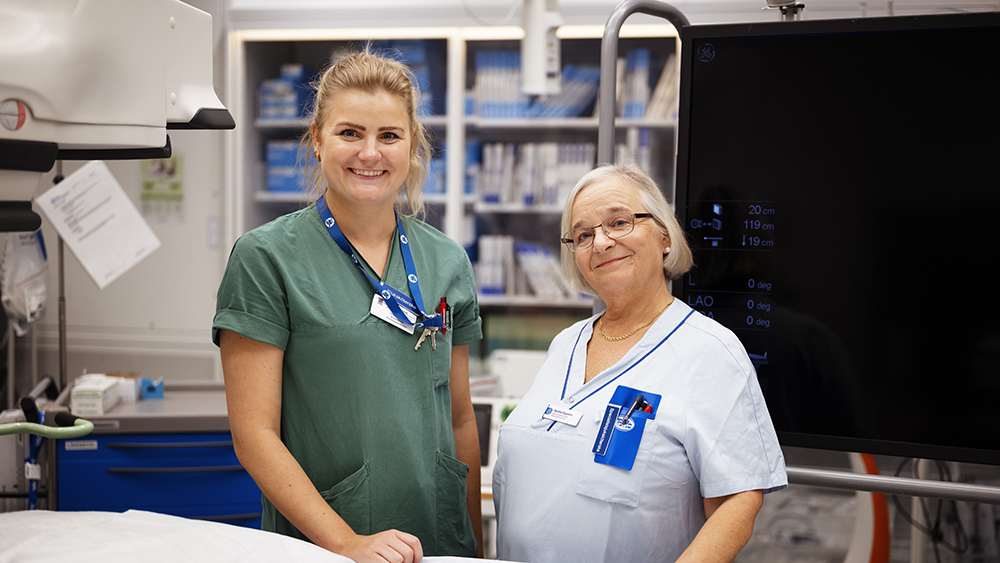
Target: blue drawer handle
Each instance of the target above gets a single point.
(225, 517)
(133, 470)
(149, 445)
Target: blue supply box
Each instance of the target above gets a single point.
(284, 171)
(436, 173)
(286, 97)
(413, 52)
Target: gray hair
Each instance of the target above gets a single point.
(675, 264)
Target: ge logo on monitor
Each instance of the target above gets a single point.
(706, 52)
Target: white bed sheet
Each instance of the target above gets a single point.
(42, 536)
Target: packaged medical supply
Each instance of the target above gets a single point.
(129, 388)
(94, 394)
(286, 97)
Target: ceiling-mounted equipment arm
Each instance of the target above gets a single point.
(86, 80)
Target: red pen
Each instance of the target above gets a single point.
(443, 311)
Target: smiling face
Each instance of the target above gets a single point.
(622, 267)
(364, 148)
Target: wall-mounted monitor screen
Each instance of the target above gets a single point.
(840, 183)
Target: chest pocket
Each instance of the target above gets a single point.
(612, 484)
(440, 359)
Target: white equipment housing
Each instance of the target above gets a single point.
(98, 79)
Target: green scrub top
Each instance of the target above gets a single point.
(366, 416)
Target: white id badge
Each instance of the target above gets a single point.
(382, 311)
(562, 415)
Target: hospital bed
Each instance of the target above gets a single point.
(110, 537)
(43, 536)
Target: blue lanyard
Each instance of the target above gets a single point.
(392, 296)
(615, 378)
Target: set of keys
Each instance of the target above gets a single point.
(431, 331)
(444, 310)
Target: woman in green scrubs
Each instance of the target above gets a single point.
(347, 388)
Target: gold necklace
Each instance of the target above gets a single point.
(600, 326)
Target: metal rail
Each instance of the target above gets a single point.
(609, 57)
(893, 485)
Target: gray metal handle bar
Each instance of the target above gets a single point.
(609, 56)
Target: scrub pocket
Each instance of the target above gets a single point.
(351, 499)
(611, 484)
(440, 359)
(454, 528)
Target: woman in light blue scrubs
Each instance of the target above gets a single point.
(344, 331)
(644, 436)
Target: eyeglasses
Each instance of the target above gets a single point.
(617, 226)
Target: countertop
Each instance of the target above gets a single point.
(185, 407)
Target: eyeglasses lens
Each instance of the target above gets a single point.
(615, 227)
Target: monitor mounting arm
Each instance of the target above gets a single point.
(790, 9)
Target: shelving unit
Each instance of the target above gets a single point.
(255, 55)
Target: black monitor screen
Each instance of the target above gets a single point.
(484, 417)
(839, 181)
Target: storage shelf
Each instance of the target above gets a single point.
(574, 123)
(256, 55)
(487, 124)
(281, 197)
(281, 123)
(299, 197)
(522, 208)
(442, 199)
(533, 301)
(432, 121)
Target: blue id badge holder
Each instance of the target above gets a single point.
(621, 428)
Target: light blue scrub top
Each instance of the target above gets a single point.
(711, 437)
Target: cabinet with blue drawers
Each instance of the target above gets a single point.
(173, 456)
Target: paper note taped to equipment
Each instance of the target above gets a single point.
(99, 223)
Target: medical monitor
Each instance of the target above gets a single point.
(839, 181)
(484, 420)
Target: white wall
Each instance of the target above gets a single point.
(156, 318)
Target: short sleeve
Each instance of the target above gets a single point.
(252, 300)
(466, 321)
(730, 440)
